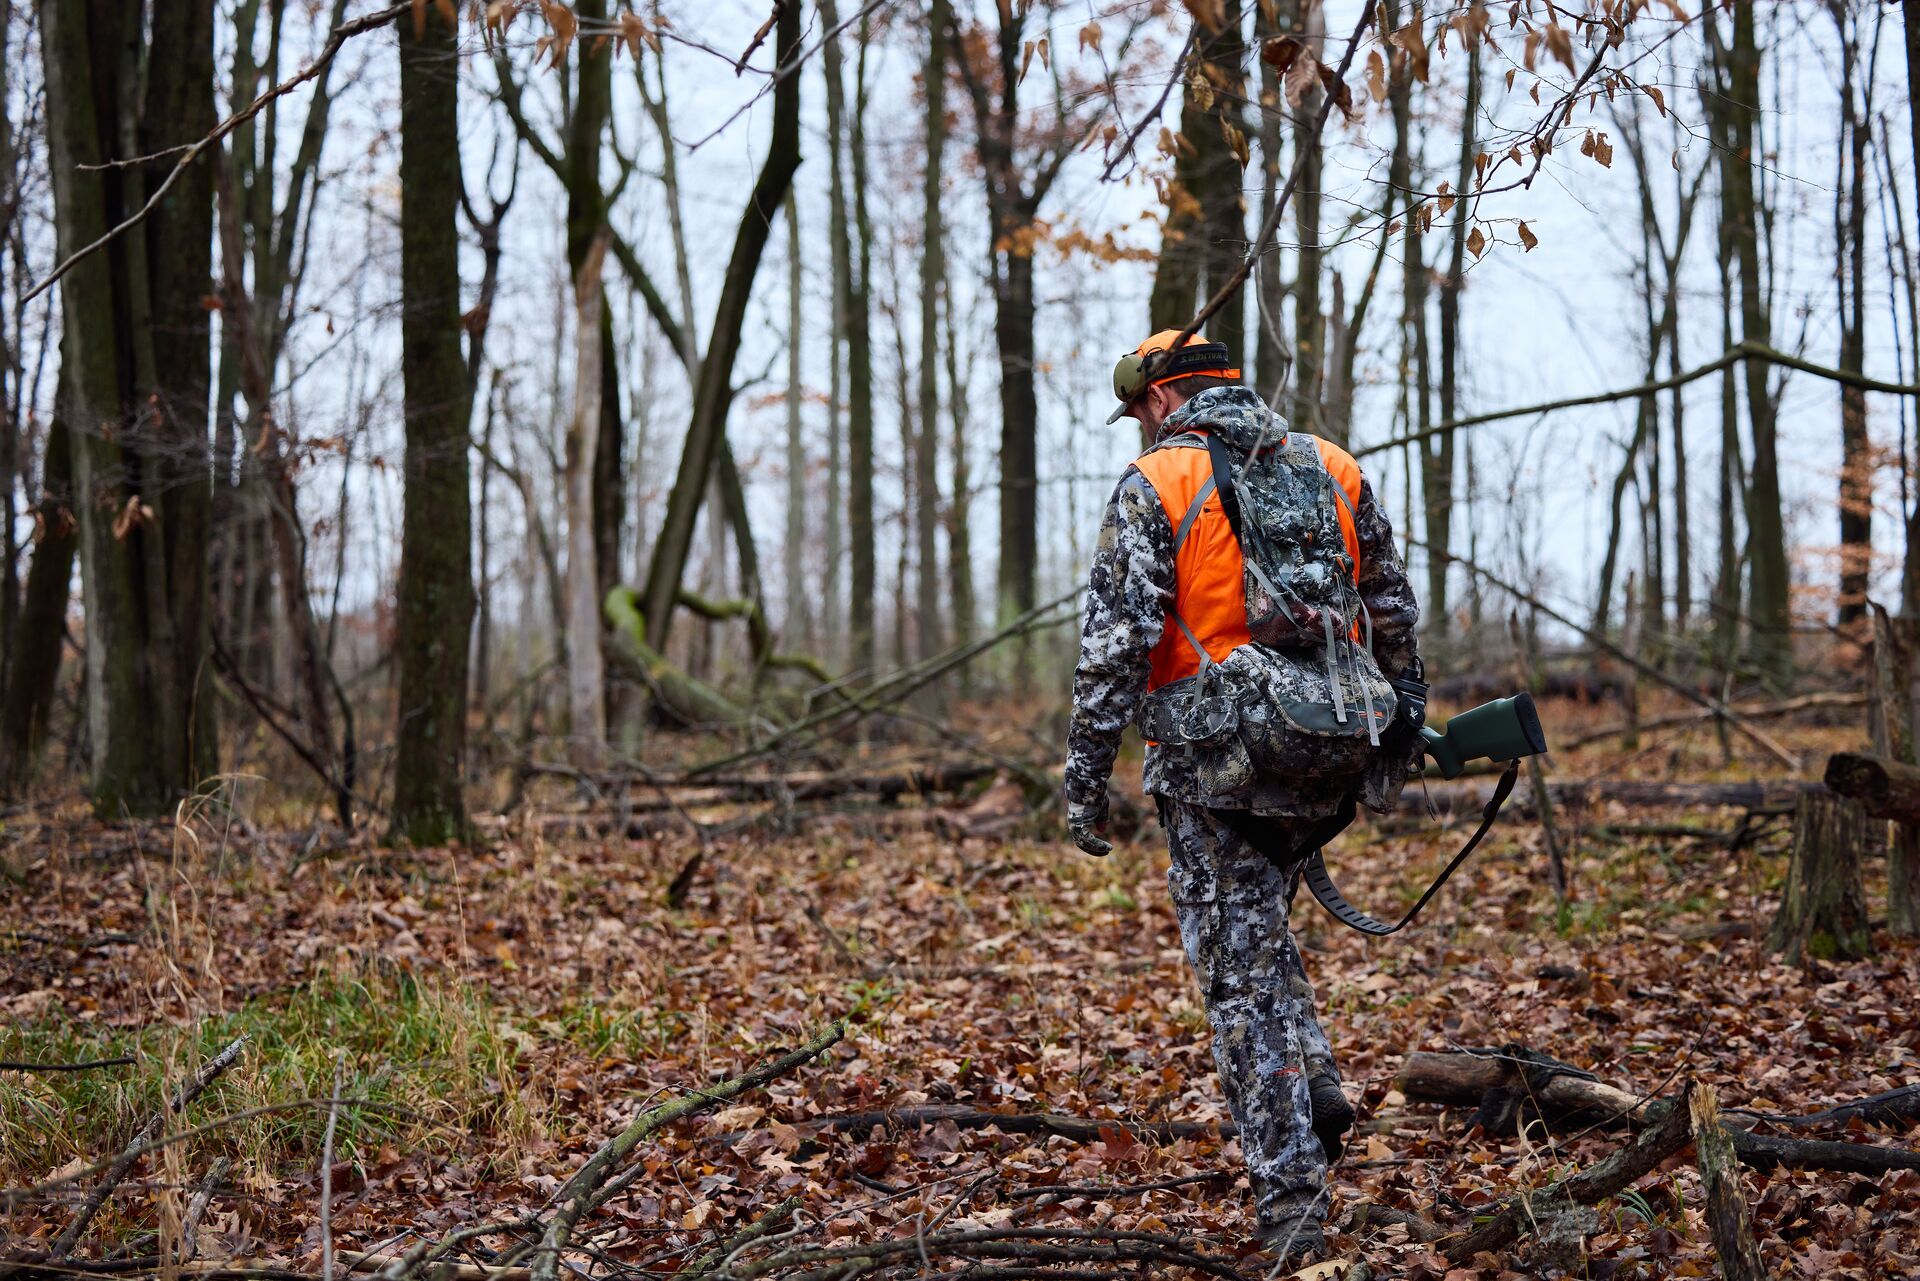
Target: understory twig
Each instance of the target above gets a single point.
(592, 1184)
(209, 1072)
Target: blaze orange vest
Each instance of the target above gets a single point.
(1209, 572)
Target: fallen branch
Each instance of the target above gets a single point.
(765, 1225)
(900, 685)
(209, 1072)
(1770, 1151)
(593, 1183)
(1653, 1145)
(1719, 709)
(1759, 794)
(12, 1065)
(1752, 711)
(1078, 1128)
(817, 785)
(374, 1261)
(1897, 1107)
(1039, 1245)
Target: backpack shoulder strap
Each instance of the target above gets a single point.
(1223, 481)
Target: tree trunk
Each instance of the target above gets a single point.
(1770, 640)
(33, 649)
(1013, 202)
(483, 576)
(1455, 281)
(1727, 597)
(1850, 279)
(436, 586)
(842, 286)
(862, 574)
(138, 386)
(1436, 453)
(960, 521)
(1270, 293)
(1910, 568)
(713, 390)
(10, 414)
(1890, 719)
(1823, 914)
(1309, 320)
(1203, 200)
(586, 215)
(933, 272)
(586, 677)
(799, 618)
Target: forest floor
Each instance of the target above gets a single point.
(496, 1013)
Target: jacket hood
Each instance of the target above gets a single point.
(1236, 415)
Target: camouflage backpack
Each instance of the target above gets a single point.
(1305, 699)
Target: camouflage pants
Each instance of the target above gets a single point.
(1232, 908)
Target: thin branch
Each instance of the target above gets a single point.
(1718, 709)
(193, 1089)
(590, 1186)
(359, 26)
(11, 1065)
(1239, 277)
(1738, 352)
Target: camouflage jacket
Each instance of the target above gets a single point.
(1130, 590)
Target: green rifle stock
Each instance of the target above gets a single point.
(1504, 730)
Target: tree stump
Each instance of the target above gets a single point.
(1823, 912)
(1726, 1201)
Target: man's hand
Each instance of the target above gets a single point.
(1088, 824)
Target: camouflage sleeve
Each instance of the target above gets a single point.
(1129, 591)
(1384, 588)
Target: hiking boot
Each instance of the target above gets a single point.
(1297, 1244)
(1332, 1114)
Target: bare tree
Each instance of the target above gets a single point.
(933, 274)
(135, 337)
(1850, 282)
(1204, 230)
(1733, 106)
(436, 583)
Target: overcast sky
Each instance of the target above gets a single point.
(1560, 320)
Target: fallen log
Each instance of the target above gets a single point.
(822, 785)
(1885, 788)
(1473, 688)
(1497, 1079)
(1771, 1151)
(1889, 1107)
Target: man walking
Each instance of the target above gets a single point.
(1166, 601)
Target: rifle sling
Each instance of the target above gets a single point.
(1258, 832)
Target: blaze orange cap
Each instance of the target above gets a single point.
(1155, 362)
